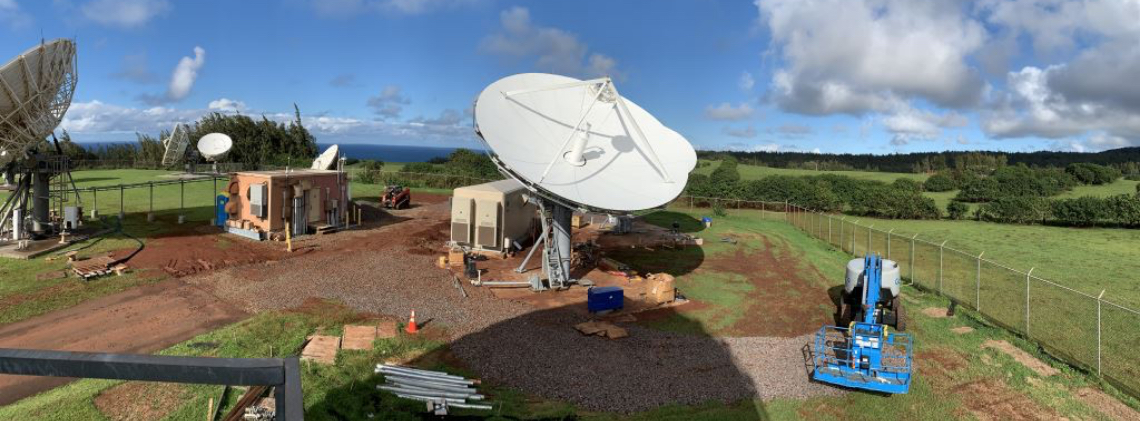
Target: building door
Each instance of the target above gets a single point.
(313, 197)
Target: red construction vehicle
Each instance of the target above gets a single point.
(396, 197)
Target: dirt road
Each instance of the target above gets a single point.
(141, 320)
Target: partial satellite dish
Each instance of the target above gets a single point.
(175, 145)
(35, 91)
(214, 145)
(582, 144)
(579, 144)
(327, 160)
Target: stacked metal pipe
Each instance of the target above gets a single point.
(440, 390)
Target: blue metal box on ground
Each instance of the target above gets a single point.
(604, 298)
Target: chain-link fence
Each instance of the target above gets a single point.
(191, 199)
(1084, 330)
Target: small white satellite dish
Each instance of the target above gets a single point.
(581, 143)
(327, 159)
(214, 145)
(175, 145)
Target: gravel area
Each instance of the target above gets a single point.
(513, 344)
(380, 282)
(542, 354)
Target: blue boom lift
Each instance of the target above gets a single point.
(865, 355)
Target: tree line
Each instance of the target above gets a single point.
(1124, 159)
(256, 143)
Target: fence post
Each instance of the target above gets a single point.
(889, 235)
(181, 200)
(1098, 349)
(842, 234)
(690, 202)
(978, 284)
(912, 257)
(855, 227)
(150, 210)
(941, 247)
(95, 203)
(828, 229)
(122, 191)
(762, 212)
(1027, 275)
(786, 216)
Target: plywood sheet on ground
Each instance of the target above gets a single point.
(321, 349)
(358, 337)
(386, 330)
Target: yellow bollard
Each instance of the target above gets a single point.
(288, 237)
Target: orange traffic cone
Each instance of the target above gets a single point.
(411, 323)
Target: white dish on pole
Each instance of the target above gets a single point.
(214, 145)
(175, 145)
(36, 88)
(581, 144)
(327, 160)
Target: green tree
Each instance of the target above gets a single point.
(940, 182)
(957, 210)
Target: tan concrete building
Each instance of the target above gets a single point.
(264, 201)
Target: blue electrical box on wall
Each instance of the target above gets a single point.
(604, 298)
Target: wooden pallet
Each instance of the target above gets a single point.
(326, 229)
(90, 268)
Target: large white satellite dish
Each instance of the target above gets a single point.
(214, 145)
(327, 159)
(35, 91)
(175, 145)
(579, 144)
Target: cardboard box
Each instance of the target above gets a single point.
(455, 257)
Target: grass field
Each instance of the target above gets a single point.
(952, 380)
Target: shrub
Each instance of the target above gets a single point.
(939, 182)
(1023, 209)
(371, 172)
(1016, 182)
(725, 172)
(1082, 211)
(908, 184)
(1089, 173)
(718, 209)
(1124, 209)
(957, 210)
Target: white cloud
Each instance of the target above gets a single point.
(746, 81)
(12, 16)
(226, 105)
(343, 80)
(767, 147)
(185, 74)
(879, 52)
(553, 49)
(124, 13)
(726, 111)
(914, 124)
(390, 103)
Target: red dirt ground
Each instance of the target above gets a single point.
(141, 320)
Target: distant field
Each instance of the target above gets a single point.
(753, 172)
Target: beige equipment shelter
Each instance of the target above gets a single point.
(492, 216)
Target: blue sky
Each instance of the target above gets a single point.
(860, 76)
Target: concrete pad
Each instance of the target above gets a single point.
(321, 349)
(358, 337)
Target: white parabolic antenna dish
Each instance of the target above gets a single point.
(580, 143)
(212, 146)
(175, 145)
(35, 91)
(327, 159)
